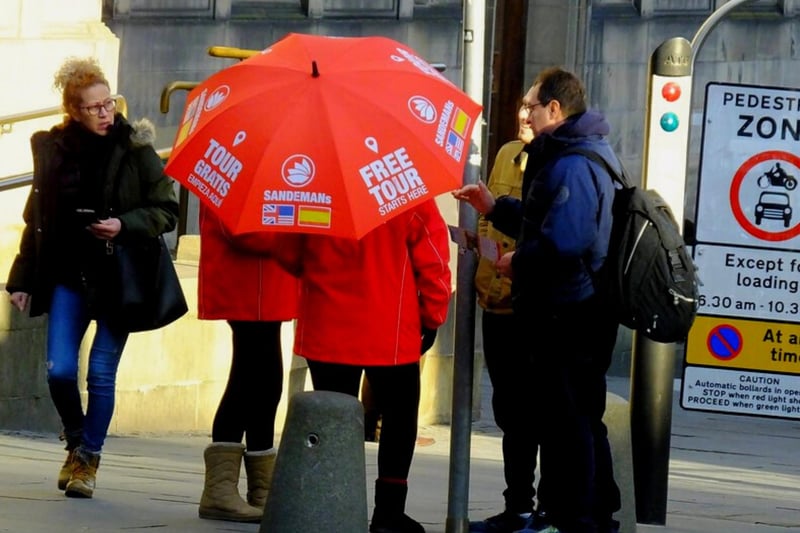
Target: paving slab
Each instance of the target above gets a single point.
(728, 474)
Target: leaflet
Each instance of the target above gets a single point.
(480, 244)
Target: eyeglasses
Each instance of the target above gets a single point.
(528, 108)
(94, 110)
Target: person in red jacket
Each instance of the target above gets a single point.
(374, 305)
(255, 295)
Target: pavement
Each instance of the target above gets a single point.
(727, 473)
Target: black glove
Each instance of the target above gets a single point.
(428, 336)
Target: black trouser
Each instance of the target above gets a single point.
(571, 349)
(248, 407)
(396, 393)
(510, 373)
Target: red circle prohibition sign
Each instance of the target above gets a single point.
(736, 186)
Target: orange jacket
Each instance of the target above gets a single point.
(364, 302)
(236, 281)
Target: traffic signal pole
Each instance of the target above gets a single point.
(653, 363)
(664, 169)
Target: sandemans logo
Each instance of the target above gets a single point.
(422, 108)
(219, 95)
(298, 170)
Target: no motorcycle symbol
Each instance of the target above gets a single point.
(761, 196)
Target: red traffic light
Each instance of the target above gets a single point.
(671, 91)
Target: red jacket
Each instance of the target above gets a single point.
(237, 282)
(364, 302)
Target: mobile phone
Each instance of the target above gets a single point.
(86, 216)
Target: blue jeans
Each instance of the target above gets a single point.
(68, 321)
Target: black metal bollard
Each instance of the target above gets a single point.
(319, 481)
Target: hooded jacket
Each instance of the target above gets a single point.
(364, 302)
(236, 281)
(563, 225)
(132, 186)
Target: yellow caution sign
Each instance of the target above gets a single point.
(745, 344)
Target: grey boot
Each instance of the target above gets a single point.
(259, 467)
(221, 499)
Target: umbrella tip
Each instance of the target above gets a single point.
(314, 69)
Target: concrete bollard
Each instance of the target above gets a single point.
(320, 473)
(618, 421)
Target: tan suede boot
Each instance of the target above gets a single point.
(221, 499)
(259, 467)
(73, 440)
(66, 470)
(84, 474)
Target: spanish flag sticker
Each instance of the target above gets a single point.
(314, 216)
(460, 122)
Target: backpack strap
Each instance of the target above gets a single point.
(621, 178)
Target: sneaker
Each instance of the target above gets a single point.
(505, 522)
(395, 524)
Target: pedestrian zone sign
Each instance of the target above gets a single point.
(749, 167)
(742, 352)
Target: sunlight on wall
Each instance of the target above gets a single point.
(35, 38)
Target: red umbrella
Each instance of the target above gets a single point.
(328, 135)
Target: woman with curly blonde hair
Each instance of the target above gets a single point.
(97, 180)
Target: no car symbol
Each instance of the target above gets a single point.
(769, 202)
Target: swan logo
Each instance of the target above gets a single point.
(219, 95)
(422, 108)
(298, 170)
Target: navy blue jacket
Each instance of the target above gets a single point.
(563, 223)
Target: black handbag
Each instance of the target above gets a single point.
(149, 294)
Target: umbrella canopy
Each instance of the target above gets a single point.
(327, 135)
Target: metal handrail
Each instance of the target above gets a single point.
(7, 122)
(15, 182)
(231, 52)
(227, 52)
(171, 87)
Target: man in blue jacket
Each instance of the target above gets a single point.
(562, 226)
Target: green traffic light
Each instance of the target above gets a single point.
(669, 122)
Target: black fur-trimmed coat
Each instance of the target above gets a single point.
(135, 190)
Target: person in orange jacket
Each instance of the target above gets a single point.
(255, 295)
(374, 305)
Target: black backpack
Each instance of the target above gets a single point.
(648, 276)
